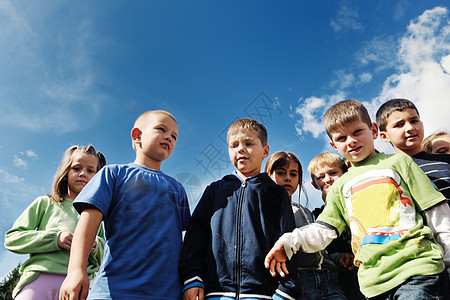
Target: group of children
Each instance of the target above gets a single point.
(383, 219)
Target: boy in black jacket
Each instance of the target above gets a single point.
(235, 224)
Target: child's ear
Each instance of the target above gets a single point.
(136, 134)
(384, 137)
(266, 151)
(374, 130)
(333, 145)
(314, 184)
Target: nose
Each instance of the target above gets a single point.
(287, 178)
(328, 179)
(409, 126)
(82, 172)
(351, 140)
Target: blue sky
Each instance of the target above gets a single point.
(81, 74)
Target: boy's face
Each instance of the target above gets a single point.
(324, 176)
(354, 141)
(404, 131)
(441, 145)
(246, 152)
(157, 140)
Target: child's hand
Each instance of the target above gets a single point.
(346, 260)
(75, 286)
(276, 259)
(94, 245)
(65, 240)
(194, 293)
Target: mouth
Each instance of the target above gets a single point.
(288, 186)
(411, 137)
(355, 150)
(242, 158)
(165, 145)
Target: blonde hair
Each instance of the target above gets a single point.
(60, 183)
(249, 124)
(142, 121)
(427, 143)
(343, 113)
(326, 158)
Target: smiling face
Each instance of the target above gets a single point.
(404, 131)
(288, 177)
(354, 141)
(246, 152)
(81, 171)
(155, 141)
(324, 176)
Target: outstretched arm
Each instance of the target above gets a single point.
(76, 284)
(310, 238)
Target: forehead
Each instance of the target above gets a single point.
(399, 115)
(290, 165)
(162, 119)
(243, 134)
(79, 157)
(349, 127)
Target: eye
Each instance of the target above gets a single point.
(341, 139)
(280, 172)
(357, 131)
(174, 137)
(248, 143)
(321, 177)
(92, 171)
(293, 174)
(441, 150)
(76, 168)
(398, 125)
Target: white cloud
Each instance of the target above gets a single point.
(18, 162)
(8, 178)
(31, 154)
(423, 69)
(347, 18)
(420, 64)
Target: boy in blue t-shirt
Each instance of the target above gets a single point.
(144, 213)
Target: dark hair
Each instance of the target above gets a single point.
(385, 110)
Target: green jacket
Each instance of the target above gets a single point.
(36, 232)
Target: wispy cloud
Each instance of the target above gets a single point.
(347, 18)
(57, 81)
(9, 178)
(420, 62)
(18, 162)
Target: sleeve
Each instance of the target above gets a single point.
(98, 192)
(423, 192)
(196, 243)
(310, 238)
(23, 238)
(438, 219)
(184, 209)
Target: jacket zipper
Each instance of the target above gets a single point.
(238, 240)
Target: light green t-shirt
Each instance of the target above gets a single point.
(380, 200)
(36, 232)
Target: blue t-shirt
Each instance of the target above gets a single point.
(144, 213)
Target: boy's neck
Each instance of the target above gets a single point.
(373, 153)
(409, 152)
(244, 177)
(148, 164)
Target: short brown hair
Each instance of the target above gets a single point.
(142, 121)
(249, 124)
(387, 108)
(326, 158)
(343, 113)
(428, 141)
(60, 186)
